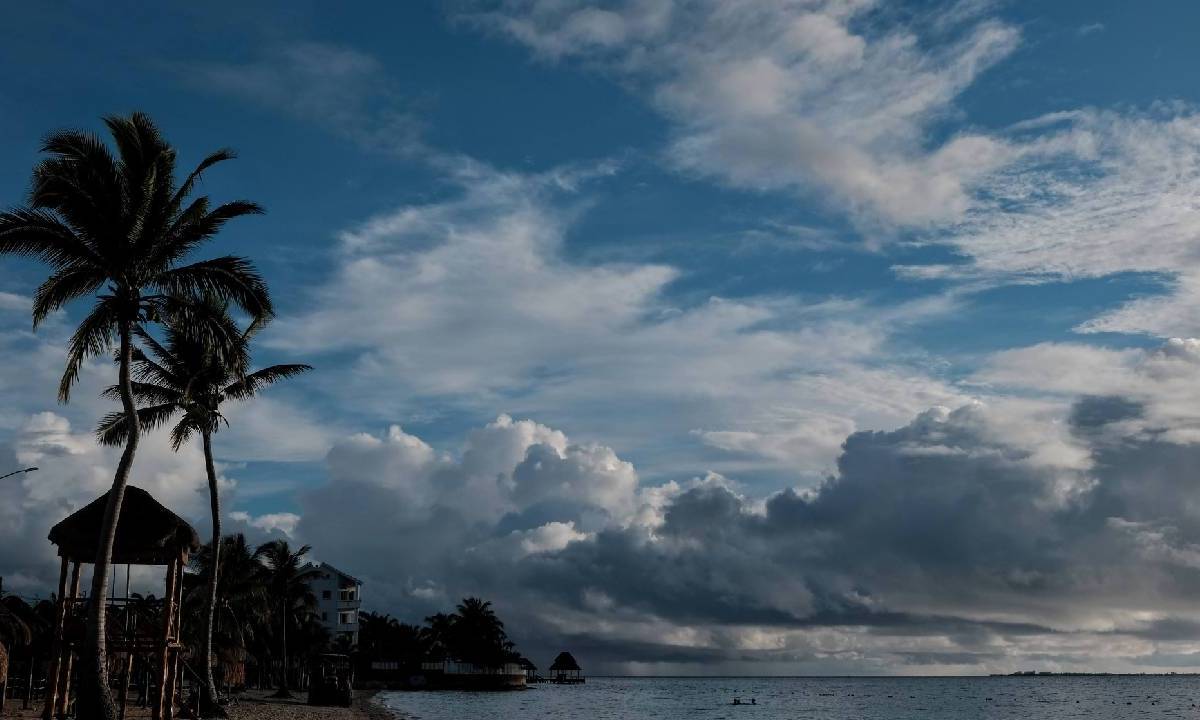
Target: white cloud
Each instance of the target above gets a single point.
(837, 100)
(470, 304)
(1161, 386)
(14, 302)
(346, 91)
(283, 522)
(810, 96)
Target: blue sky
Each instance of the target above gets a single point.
(703, 244)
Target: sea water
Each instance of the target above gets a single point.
(1029, 698)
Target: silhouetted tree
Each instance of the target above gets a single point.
(287, 580)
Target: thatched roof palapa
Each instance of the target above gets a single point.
(564, 661)
(13, 629)
(147, 532)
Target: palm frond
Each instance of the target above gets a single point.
(93, 337)
(185, 188)
(80, 181)
(181, 433)
(114, 427)
(190, 229)
(145, 393)
(255, 381)
(64, 286)
(229, 278)
(38, 234)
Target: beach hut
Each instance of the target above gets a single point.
(147, 534)
(530, 669)
(24, 632)
(565, 670)
(13, 632)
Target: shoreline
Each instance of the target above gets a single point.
(257, 705)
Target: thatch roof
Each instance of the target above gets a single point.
(564, 661)
(13, 630)
(147, 532)
(25, 612)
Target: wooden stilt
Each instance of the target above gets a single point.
(56, 649)
(165, 655)
(125, 681)
(173, 643)
(29, 682)
(64, 682)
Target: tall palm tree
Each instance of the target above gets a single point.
(242, 602)
(189, 376)
(288, 582)
(120, 225)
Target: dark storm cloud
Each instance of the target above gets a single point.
(961, 529)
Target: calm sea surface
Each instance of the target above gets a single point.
(819, 699)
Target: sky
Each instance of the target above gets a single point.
(704, 337)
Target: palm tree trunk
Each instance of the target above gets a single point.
(95, 701)
(284, 690)
(208, 700)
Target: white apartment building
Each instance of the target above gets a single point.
(339, 597)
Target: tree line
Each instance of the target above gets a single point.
(472, 633)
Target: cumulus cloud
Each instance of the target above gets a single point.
(990, 536)
(281, 522)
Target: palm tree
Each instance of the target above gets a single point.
(288, 582)
(191, 375)
(121, 223)
(241, 603)
(479, 632)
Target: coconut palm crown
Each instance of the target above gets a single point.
(190, 375)
(121, 225)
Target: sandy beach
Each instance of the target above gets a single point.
(258, 705)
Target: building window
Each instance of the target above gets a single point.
(324, 616)
(324, 594)
(346, 593)
(347, 617)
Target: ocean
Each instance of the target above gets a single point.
(1114, 697)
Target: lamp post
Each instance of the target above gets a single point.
(18, 472)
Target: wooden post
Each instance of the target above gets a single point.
(125, 680)
(29, 682)
(177, 610)
(56, 649)
(165, 650)
(64, 683)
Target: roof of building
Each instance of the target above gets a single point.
(564, 661)
(147, 532)
(343, 573)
